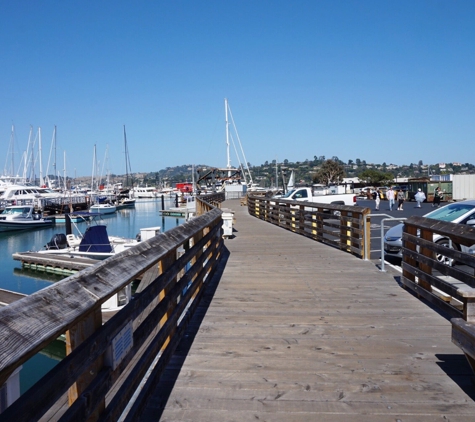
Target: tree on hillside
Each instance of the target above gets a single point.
(330, 172)
(375, 177)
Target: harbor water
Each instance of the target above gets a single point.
(124, 223)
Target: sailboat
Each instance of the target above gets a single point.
(124, 199)
(291, 182)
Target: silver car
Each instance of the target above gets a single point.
(462, 212)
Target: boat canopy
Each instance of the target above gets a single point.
(95, 239)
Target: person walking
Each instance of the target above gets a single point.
(420, 197)
(377, 199)
(390, 195)
(400, 200)
(437, 197)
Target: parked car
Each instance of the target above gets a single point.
(383, 190)
(367, 192)
(462, 212)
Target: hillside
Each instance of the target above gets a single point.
(265, 174)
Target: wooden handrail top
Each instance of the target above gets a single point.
(349, 208)
(459, 233)
(466, 292)
(31, 323)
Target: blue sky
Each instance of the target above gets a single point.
(383, 81)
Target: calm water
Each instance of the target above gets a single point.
(126, 223)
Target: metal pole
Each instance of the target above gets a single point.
(68, 223)
(382, 237)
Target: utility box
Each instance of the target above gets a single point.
(227, 217)
(149, 232)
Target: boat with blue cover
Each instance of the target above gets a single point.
(95, 242)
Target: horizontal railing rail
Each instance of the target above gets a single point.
(345, 227)
(106, 363)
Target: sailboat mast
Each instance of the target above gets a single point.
(127, 163)
(93, 168)
(227, 135)
(11, 171)
(27, 156)
(40, 157)
(54, 162)
(64, 172)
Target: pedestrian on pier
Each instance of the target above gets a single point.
(420, 197)
(400, 200)
(391, 196)
(437, 197)
(377, 198)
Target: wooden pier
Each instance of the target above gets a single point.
(295, 330)
(265, 325)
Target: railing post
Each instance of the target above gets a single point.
(163, 265)
(469, 310)
(427, 269)
(293, 219)
(302, 219)
(345, 232)
(367, 234)
(412, 230)
(74, 337)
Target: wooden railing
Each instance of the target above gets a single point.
(443, 275)
(345, 227)
(208, 202)
(106, 363)
(428, 266)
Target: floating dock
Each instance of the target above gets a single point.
(182, 211)
(64, 265)
(7, 297)
(174, 213)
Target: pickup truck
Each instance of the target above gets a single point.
(307, 194)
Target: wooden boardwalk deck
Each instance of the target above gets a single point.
(293, 330)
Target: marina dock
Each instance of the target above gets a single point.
(295, 330)
(65, 265)
(174, 212)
